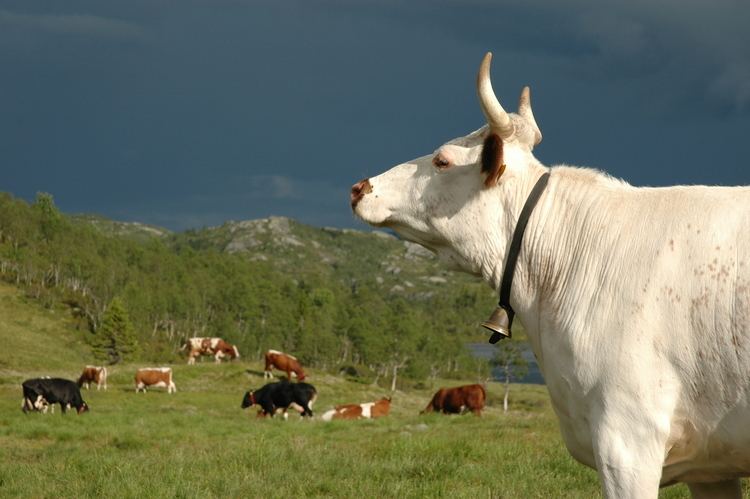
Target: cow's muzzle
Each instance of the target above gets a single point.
(359, 190)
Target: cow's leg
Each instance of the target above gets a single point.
(728, 489)
(628, 459)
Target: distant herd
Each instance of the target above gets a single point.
(40, 394)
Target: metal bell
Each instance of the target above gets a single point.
(499, 324)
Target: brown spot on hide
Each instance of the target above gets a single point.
(492, 159)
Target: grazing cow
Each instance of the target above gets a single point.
(636, 301)
(38, 393)
(210, 346)
(458, 400)
(280, 396)
(283, 362)
(40, 404)
(93, 374)
(154, 376)
(369, 410)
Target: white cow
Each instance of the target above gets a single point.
(636, 301)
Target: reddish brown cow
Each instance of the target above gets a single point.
(458, 400)
(283, 362)
(154, 376)
(370, 410)
(93, 374)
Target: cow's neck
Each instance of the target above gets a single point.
(564, 245)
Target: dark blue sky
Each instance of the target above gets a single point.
(187, 114)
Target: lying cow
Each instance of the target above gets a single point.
(93, 374)
(154, 376)
(369, 410)
(281, 396)
(458, 400)
(38, 393)
(283, 362)
(216, 347)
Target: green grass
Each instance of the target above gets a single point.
(199, 443)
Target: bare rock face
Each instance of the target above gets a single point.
(242, 243)
(415, 251)
(249, 234)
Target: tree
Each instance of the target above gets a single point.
(509, 359)
(115, 339)
(50, 219)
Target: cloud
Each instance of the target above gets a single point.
(71, 24)
(315, 202)
(681, 50)
(285, 188)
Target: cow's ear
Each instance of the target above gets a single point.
(492, 159)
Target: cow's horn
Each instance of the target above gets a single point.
(524, 110)
(497, 118)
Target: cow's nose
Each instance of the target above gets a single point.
(359, 190)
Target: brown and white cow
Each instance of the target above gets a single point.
(284, 362)
(154, 376)
(458, 400)
(93, 374)
(369, 410)
(210, 346)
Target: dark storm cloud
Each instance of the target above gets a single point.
(691, 48)
(85, 25)
(194, 112)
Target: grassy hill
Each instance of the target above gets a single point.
(36, 340)
(199, 443)
(334, 298)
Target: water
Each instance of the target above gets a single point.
(487, 351)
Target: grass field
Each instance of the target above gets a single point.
(199, 443)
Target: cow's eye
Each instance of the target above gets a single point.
(440, 162)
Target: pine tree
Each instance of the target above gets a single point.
(115, 339)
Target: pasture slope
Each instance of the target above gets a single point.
(199, 443)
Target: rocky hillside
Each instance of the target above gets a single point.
(357, 258)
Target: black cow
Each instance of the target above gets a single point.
(282, 395)
(40, 391)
